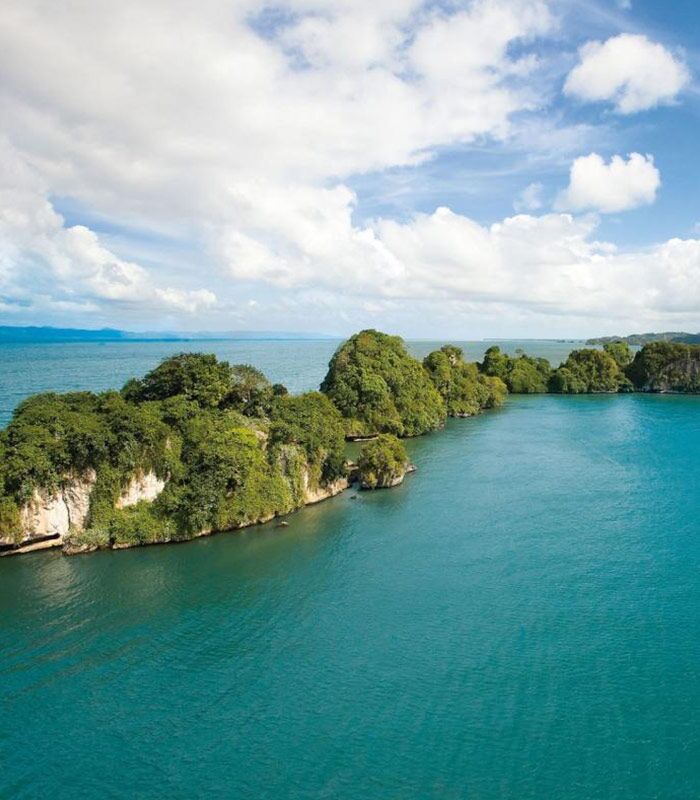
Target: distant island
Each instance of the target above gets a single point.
(198, 445)
(640, 339)
(32, 334)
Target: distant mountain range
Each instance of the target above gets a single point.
(46, 334)
(644, 338)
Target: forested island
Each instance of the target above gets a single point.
(198, 445)
(640, 339)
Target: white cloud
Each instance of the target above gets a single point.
(616, 186)
(524, 267)
(239, 132)
(530, 199)
(629, 70)
(67, 267)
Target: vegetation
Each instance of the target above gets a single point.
(231, 448)
(640, 339)
(522, 374)
(666, 367)
(620, 352)
(463, 388)
(589, 371)
(383, 462)
(379, 388)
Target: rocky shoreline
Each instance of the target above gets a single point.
(69, 505)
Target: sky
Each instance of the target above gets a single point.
(450, 168)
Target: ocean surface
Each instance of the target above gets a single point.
(519, 620)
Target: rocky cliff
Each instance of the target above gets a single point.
(50, 516)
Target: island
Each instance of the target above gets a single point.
(640, 339)
(199, 446)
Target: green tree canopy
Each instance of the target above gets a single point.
(522, 375)
(199, 377)
(666, 367)
(588, 371)
(379, 387)
(460, 384)
(311, 421)
(620, 351)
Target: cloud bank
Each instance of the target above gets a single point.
(236, 129)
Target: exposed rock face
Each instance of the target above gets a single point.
(53, 514)
(49, 517)
(143, 486)
(315, 495)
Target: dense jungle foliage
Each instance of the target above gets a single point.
(522, 374)
(667, 367)
(379, 388)
(464, 389)
(232, 448)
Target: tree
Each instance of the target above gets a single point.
(666, 367)
(379, 387)
(199, 377)
(620, 351)
(311, 421)
(522, 375)
(250, 393)
(464, 390)
(587, 371)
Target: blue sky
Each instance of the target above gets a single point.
(464, 169)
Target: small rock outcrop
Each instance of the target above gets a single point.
(383, 463)
(316, 493)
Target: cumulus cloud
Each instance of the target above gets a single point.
(629, 70)
(239, 126)
(548, 265)
(45, 262)
(616, 186)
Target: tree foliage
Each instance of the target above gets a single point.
(588, 371)
(666, 367)
(463, 388)
(199, 377)
(522, 374)
(213, 432)
(376, 384)
(620, 352)
(313, 423)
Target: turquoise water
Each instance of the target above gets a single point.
(301, 365)
(520, 620)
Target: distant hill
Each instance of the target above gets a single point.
(644, 338)
(45, 334)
